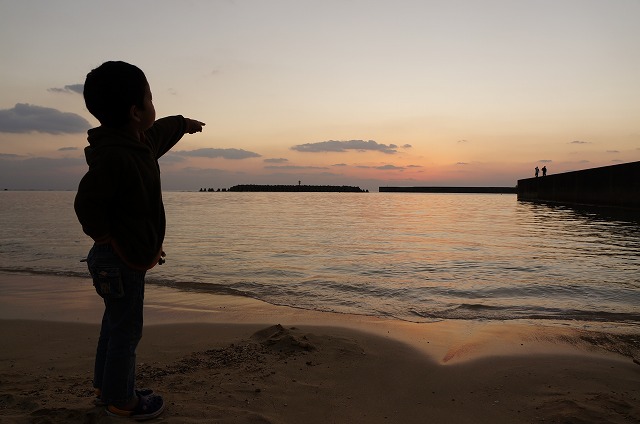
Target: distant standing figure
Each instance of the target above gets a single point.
(544, 171)
(537, 171)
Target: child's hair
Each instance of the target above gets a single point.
(111, 89)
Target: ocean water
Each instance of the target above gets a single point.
(416, 257)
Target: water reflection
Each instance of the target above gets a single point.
(411, 256)
(591, 213)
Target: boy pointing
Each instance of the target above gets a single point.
(119, 204)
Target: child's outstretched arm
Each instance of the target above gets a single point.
(193, 126)
(166, 132)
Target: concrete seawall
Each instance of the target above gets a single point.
(616, 186)
(447, 189)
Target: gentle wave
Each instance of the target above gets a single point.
(356, 304)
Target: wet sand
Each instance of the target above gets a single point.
(227, 359)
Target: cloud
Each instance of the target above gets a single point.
(580, 142)
(613, 151)
(25, 118)
(9, 156)
(293, 167)
(67, 149)
(462, 141)
(276, 160)
(234, 154)
(545, 160)
(390, 168)
(462, 163)
(407, 146)
(339, 164)
(171, 157)
(72, 88)
(21, 172)
(343, 146)
(383, 167)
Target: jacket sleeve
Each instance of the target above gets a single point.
(94, 200)
(165, 133)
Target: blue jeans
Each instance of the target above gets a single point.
(122, 290)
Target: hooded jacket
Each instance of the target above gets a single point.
(119, 200)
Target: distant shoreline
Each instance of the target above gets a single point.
(292, 188)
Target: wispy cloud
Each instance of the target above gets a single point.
(276, 160)
(390, 168)
(25, 172)
(613, 151)
(67, 149)
(579, 142)
(9, 156)
(172, 158)
(234, 154)
(26, 118)
(72, 88)
(343, 146)
(293, 167)
(545, 161)
(387, 167)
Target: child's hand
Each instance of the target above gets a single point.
(193, 126)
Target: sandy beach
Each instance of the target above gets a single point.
(230, 359)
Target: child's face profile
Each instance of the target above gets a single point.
(147, 114)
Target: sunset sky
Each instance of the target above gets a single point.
(348, 92)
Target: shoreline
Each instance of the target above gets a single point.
(238, 360)
(72, 299)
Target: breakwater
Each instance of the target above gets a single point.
(297, 188)
(616, 186)
(494, 190)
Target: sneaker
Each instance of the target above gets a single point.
(148, 407)
(99, 402)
